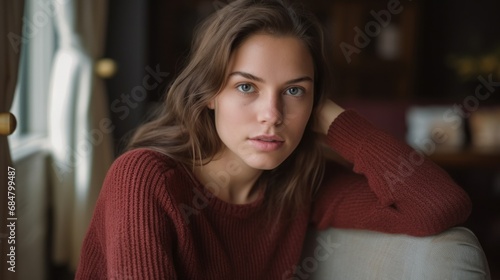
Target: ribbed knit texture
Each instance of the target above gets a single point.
(153, 220)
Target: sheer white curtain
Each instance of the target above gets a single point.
(79, 129)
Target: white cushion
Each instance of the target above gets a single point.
(355, 254)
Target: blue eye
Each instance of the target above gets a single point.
(246, 88)
(295, 91)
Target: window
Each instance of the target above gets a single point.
(31, 99)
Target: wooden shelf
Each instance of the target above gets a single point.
(473, 157)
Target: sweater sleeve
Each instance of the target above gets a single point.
(131, 235)
(391, 187)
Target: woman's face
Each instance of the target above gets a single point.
(265, 104)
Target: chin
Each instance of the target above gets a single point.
(264, 163)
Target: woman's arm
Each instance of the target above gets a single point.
(131, 235)
(391, 187)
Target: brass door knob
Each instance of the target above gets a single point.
(7, 123)
(106, 68)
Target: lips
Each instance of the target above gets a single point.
(268, 138)
(267, 143)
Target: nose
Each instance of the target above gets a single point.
(271, 109)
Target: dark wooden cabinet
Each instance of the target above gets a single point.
(374, 48)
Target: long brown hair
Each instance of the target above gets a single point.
(185, 128)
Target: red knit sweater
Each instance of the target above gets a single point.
(154, 221)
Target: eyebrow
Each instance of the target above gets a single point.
(258, 79)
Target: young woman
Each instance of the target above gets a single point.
(224, 183)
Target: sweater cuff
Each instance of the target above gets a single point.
(348, 132)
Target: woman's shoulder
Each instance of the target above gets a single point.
(142, 168)
(145, 158)
(142, 185)
(146, 178)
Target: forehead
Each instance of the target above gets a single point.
(271, 56)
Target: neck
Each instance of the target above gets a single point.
(230, 179)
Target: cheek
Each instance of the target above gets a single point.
(303, 123)
(298, 115)
(230, 116)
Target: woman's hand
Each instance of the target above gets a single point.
(326, 114)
